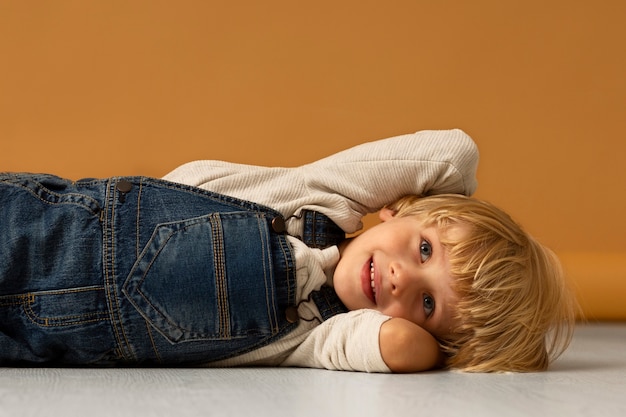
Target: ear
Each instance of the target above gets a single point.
(386, 214)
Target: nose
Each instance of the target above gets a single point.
(399, 279)
(402, 290)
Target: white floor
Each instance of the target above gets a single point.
(590, 380)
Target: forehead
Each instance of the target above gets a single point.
(447, 229)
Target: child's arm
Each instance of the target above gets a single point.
(406, 347)
(349, 184)
(365, 178)
(367, 341)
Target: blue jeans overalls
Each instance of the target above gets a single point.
(130, 271)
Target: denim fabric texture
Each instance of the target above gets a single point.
(136, 271)
(319, 231)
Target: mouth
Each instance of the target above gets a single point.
(372, 283)
(368, 281)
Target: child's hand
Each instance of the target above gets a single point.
(406, 347)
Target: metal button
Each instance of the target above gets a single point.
(124, 186)
(278, 225)
(291, 313)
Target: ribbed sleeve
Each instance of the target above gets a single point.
(351, 183)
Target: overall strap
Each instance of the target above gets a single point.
(319, 231)
(327, 302)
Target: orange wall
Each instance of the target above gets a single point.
(93, 88)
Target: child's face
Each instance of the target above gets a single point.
(399, 268)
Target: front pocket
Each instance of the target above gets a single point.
(69, 307)
(61, 308)
(54, 191)
(206, 278)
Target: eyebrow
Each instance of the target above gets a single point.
(442, 327)
(447, 314)
(443, 306)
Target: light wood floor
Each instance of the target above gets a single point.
(590, 380)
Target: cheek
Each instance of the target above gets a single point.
(399, 311)
(344, 283)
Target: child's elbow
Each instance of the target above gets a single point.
(406, 347)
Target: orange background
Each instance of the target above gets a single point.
(117, 87)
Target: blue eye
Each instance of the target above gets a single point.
(426, 250)
(429, 305)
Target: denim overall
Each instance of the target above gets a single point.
(129, 271)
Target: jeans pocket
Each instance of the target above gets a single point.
(206, 278)
(68, 307)
(65, 326)
(54, 191)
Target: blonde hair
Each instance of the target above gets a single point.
(515, 311)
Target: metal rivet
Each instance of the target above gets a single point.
(278, 225)
(124, 186)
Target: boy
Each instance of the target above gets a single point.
(209, 266)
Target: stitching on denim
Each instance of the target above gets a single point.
(108, 260)
(221, 285)
(64, 320)
(154, 348)
(220, 198)
(60, 197)
(115, 295)
(288, 256)
(138, 219)
(220, 277)
(272, 314)
(137, 286)
(287, 272)
(68, 290)
(224, 331)
(27, 300)
(107, 267)
(109, 252)
(16, 300)
(286, 249)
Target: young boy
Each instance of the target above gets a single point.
(222, 264)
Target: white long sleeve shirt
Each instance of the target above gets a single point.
(344, 186)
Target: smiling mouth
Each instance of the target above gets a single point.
(368, 280)
(372, 283)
